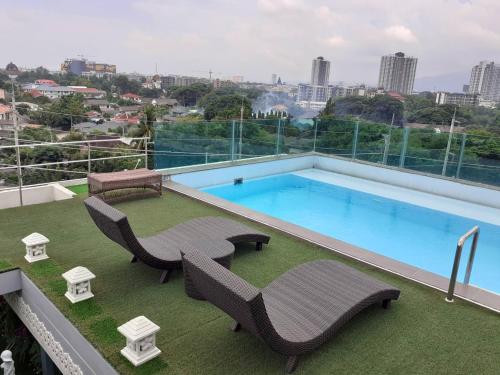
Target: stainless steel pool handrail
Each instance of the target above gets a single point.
(458, 254)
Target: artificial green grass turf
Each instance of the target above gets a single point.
(420, 334)
(78, 189)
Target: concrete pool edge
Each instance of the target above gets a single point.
(469, 293)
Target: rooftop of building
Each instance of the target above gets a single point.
(419, 334)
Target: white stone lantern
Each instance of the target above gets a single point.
(78, 280)
(35, 247)
(141, 340)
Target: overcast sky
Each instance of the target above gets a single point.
(252, 38)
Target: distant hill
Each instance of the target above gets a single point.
(452, 82)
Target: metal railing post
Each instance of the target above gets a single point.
(146, 153)
(88, 158)
(387, 144)
(278, 130)
(404, 147)
(16, 143)
(355, 140)
(232, 139)
(315, 134)
(456, 263)
(461, 157)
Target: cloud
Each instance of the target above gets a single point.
(335, 41)
(277, 6)
(400, 33)
(254, 38)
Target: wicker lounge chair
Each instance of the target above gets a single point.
(298, 311)
(214, 236)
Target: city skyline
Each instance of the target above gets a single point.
(137, 35)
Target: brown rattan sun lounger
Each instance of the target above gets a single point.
(298, 311)
(214, 236)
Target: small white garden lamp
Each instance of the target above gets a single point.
(35, 247)
(140, 333)
(7, 363)
(78, 280)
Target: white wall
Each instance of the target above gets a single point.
(34, 195)
(228, 174)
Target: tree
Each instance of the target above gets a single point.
(62, 113)
(226, 106)
(329, 109)
(190, 95)
(146, 127)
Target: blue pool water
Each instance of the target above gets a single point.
(419, 236)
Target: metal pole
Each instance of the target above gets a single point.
(456, 263)
(315, 134)
(88, 158)
(472, 254)
(355, 140)
(232, 139)
(278, 137)
(461, 157)
(453, 278)
(16, 143)
(387, 142)
(448, 146)
(146, 153)
(404, 147)
(241, 130)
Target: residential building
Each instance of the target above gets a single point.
(51, 92)
(188, 81)
(167, 81)
(131, 97)
(395, 95)
(152, 82)
(397, 73)
(5, 112)
(2, 94)
(47, 82)
(320, 72)
(219, 83)
(89, 92)
(82, 66)
(485, 80)
(317, 90)
(343, 91)
(459, 99)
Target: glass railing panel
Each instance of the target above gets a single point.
(335, 137)
(297, 136)
(481, 160)
(372, 142)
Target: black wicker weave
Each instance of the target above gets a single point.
(214, 236)
(298, 311)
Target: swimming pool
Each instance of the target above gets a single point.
(416, 235)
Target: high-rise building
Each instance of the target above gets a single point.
(274, 78)
(315, 94)
(485, 80)
(320, 72)
(397, 73)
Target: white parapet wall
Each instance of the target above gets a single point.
(34, 195)
(224, 173)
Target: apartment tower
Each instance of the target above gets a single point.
(397, 73)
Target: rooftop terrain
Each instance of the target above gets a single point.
(419, 334)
